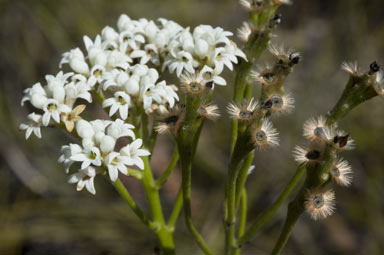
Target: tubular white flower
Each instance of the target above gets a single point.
(33, 126)
(120, 103)
(52, 108)
(67, 152)
(115, 163)
(88, 156)
(84, 129)
(133, 152)
(119, 128)
(84, 177)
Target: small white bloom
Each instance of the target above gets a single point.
(75, 59)
(52, 108)
(115, 163)
(133, 152)
(33, 126)
(89, 155)
(84, 129)
(183, 61)
(119, 128)
(67, 152)
(84, 177)
(120, 101)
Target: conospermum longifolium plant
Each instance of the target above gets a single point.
(122, 70)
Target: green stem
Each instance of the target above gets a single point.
(186, 143)
(242, 148)
(264, 217)
(243, 217)
(242, 177)
(176, 210)
(163, 178)
(295, 209)
(163, 233)
(119, 186)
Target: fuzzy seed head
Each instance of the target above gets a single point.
(341, 172)
(306, 155)
(320, 205)
(316, 130)
(266, 77)
(193, 84)
(171, 121)
(351, 68)
(252, 5)
(209, 111)
(244, 32)
(280, 104)
(245, 112)
(265, 136)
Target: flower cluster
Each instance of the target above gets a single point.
(122, 68)
(99, 138)
(322, 136)
(256, 114)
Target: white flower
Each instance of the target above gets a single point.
(183, 60)
(89, 155)
(84, 129)
(210, 74)
(36, 95)
(67, 152)
(33, 126)
(52, 108)
(133, 153)
(77, 90)
(115, 163)
(84, 177)
(75, 59)
(120, 101)
(119, 128)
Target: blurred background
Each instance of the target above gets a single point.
(40, 213)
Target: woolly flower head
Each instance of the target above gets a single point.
(265, 76)
(265, 136)
(341, 172)
(280, 103)
(343, 140)
(306, 155)
(244, 112)
(171, 121)
(244, 32)
(317, 130)
(378, 83)
(320, 205)
(252, 5)
(351, 68)
(285, 57)
(209, 111)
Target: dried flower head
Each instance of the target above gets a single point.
(252, 5)
(70, 118)
(171, 121)
(193, 84)
(341, 172)
(317, 130)
(378, 84)
(351, 68)
(285, 57)
(281, 2)
(245, 112)
(280, 104)
(319, 204)
(209, 111)
(342, 140)
(307, 155)
(265, 136)
(244, 32)
(265, 76)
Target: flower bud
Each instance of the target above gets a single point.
(84, 129)
(107, 144)
(132, 86)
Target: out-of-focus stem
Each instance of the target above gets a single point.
(176, 210)
(163, 178)
(265, 216)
